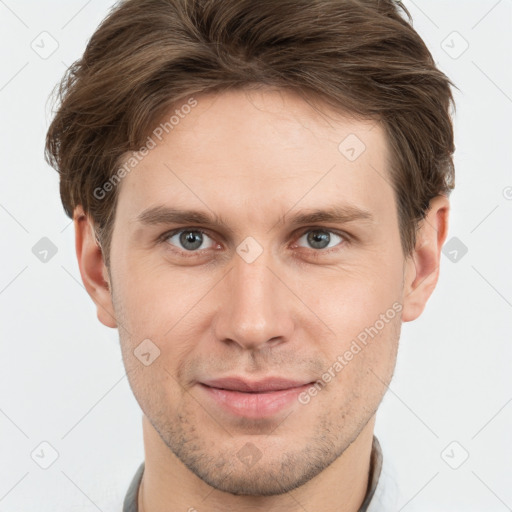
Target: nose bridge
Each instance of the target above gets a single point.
(253, 311)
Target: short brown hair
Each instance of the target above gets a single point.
(361, 57)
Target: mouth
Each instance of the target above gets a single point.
(253, 399)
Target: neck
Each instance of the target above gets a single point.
(169, 485)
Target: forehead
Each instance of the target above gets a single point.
(260, 152)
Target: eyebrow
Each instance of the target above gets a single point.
(339, 214)
(335, 214)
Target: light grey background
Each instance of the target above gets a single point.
(62, 380)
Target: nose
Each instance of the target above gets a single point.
(255, 308)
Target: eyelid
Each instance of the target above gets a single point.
(168, 234)
(297, 235)
(171, 232)
(326, 229)
(342, 234)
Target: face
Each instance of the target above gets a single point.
(257, 296)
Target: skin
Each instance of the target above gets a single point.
(255, 159)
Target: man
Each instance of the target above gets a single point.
(260, 197)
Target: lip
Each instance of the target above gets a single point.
(255, 386)
(253, 399)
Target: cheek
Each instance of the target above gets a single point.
(153, 299)
(158, 310)
(363, 308)
(351, 301)
(154, 388)
(363, 368)
(157, 301)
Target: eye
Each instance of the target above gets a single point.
(190, 240)
(321, 239)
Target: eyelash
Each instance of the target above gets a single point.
(315, 252)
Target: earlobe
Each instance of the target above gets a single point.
(421, 270)
(92, 268)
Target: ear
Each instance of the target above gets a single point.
(421, 270)
(92, 267)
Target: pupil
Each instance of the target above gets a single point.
(194, 238)
(317, 239)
